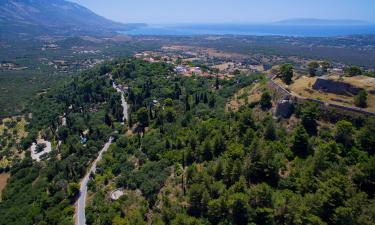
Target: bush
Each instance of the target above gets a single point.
(353, 71)
(360, 100)
(265, 101)
(40, 147)
(286, 71)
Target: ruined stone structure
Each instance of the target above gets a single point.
(336, 87)
(283, 99)
(285, 103)
(284, 108)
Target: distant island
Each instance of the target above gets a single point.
(320, 22)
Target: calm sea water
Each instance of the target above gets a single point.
(255, 29)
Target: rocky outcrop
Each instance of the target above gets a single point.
(335, 87)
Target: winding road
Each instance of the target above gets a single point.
(81, 202)
(124, 104)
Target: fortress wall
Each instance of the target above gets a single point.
(279, 94)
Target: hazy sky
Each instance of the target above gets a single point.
(238, 11)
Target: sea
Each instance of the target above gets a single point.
(255, 29)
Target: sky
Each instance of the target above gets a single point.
(228, 11)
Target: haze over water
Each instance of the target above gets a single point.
(255, 29)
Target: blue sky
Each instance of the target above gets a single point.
(229, 11)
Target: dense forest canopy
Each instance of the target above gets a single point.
(184, 158)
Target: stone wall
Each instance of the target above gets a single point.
(329, 108)
(278, 92)
(285, 102)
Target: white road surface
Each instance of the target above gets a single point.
(81, 202)
(123, 103)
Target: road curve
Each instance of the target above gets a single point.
(81, 202)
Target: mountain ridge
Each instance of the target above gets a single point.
(53, 17)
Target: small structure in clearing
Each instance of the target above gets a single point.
(35, 154)
(116, 194)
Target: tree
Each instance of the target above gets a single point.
(40, 147)
(270, 131)
(353, 71)
(286, 72)
(262, 200)
(73, 190)
(266, 101)
(212, 101)
(239, 206)
(170, 115)
(309, 115)
(142, 117)
(182, 219)
(248, 137)
(207, 151)
(246, 121)
(325, 66)
(313, 68)
(63, 133)
(217, 210)
(237, 72)
(366, 177)
(217, 83)
(187, 104)
(197, 207)
(360, 100)
(107, 120)
(366, 136)
(300, 141)
(344, 133)
(219, 145)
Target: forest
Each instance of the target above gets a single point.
(184, 158)
(44, 192)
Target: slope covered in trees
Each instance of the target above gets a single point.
(185, 159)
(44, 192)
(190, 162)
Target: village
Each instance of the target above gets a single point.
(330, 84)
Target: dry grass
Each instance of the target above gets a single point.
(303, 87)
(247, 95)
(201, 50)
(223, 66)
(15, 134)
(3, 181)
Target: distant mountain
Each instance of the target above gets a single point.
(53, 17)
(311, 21)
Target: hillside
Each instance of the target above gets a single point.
(180, 158)
(52, 17)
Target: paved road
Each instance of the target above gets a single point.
(81, 202)
(124, 104)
